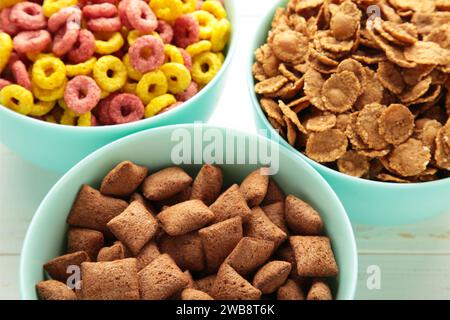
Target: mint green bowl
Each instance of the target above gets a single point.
(46, 235)
(367, 202)
(57, 148)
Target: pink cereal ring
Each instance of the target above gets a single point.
(63, 16)
(6, 24)
(104, 24)
(28, 16)
(173, 106)
(126, 107)
(186, 58)
(165, 31)
(102, 110)
(4, 83)
(103, 10)
(84, 47)
(123, 5)
(32, 41)
(82, 94)
(20, 74)
(191, 91)
(64, 40)
(147, 54)
(94, 121)
(141, 17)
(186, 31)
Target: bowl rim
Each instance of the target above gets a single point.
(262, 27)
(40, 211)
(232, 45)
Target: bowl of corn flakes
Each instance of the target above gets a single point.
(360, 89)
(76, 75)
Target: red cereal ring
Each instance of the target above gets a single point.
(186, 58)
(64, 40)
(103, 10)
(62, 17)
(186, 31)
(147, 54)
(191, 91)
(32, 41)
(105, 1)
(125, 107)
(4, 83)
(28, 16)
(123, 5)
(84, 48)
(104, 24)
(94, 121)
(165, 31)
(20, 74)
(102, 110)
(173, 106)
(6, 24)
(141, 17)
(82, 94)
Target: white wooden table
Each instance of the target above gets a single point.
(414, 260)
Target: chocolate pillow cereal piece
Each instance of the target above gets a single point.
(205, 284)
(275, 212)
(219, 240)
(230, 204)
(314, 256)
(111, 280)
(186, 250)
(319, 291)
(260, 226)
(148, 253)
(182, 196)
(326, 146)
(54, 290)
(208, 184)
(185, 217)
(190, 285)
(134, 227)
(273, 194)
(302, 218)
(57, 268)
(165, 183)
(193, 294)
(271, 276)
(93, 210)
(115, 252)
(90, 241)
(123, 180)
(229, 285)
(249, 254)
(396, 124)
(254, 187)
(290, 291)
(161, 279)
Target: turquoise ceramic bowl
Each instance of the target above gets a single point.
(46, 235)
(366, 202)
(57, 148)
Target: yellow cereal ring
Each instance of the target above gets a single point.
(199, 47)
(221, 57)
(131, 71)
(67, 118)
(111, 43)
(152, 85)
(220, 35)
(167, 10)
(49, 72)
(215, 8)
(33, 56)
(133, 36)
(85, 120)
(51, 7)
(104, 94)
(48, 95)
(6, 47)
(159, 103)
(173, 54)
(130, 87)
(189, 6)
(110, 73)
(41, 108)
(81, 69)
(50, 118)
(206, 21)
(178, 77)
(8, 3)
(204, 67)
(17, 98)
